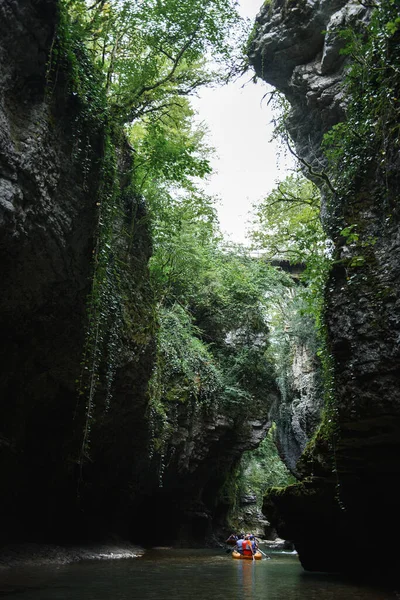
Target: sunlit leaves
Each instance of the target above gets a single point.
(186, 365)
(286, 224)
(151, 51)
(169, 147)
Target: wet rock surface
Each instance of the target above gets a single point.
(297, 413)
(47, 219)
(27, 555)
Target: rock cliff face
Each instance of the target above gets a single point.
(297, 50)
(183, 492)
(46, 225)
(297, 412)
(48, 228)
(351, 473)
(52, 490)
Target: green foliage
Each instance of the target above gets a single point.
(152, 52)
(70, 63)
(184, 244)
(169, 148)
(363, 146)
(105, 300)
(117, 316)
(213, 337)
(69, 55)
(287, 225)
(257, 471)
(262, 468)
(187, 367)
(229, 316)
(129, 61)
(232, 297)
(131, 68)
(252, 36)
(370, 135)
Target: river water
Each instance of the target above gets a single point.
(187, 574)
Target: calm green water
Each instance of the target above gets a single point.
(197, 575)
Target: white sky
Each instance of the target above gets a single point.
(246, 162)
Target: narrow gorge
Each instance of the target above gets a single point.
(141, 366)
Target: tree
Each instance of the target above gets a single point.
(286, 223)
(169, 149)
(152, 52)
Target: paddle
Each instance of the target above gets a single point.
(263, 553)
(259, 549)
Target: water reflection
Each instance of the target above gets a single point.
(201, 575)
(246, 579)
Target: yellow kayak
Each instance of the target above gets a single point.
(256, 556)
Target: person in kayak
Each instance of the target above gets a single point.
(239, 544)
(254, 541)
(232, 539)
(249, 546)
(245, 546)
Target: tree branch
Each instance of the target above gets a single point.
(320, 175)
(175, 64)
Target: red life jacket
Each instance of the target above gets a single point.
(247, 548)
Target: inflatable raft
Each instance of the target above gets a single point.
(257, 556)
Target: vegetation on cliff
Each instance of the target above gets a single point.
(258, 470)
(360, 151)
(179, 323)
(359, 178)
(369, 137)
(132, 69)
(209, 306)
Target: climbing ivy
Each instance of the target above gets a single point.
(128, 69)
(116, 313)
(369, 138)
(69, 65)
(104, 304)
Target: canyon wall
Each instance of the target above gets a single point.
(77, 335)
(349, 473)
(51, 161)
(297, 412)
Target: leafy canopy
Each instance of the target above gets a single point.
(213, 334)
(169, 149)
(152, 52)
(286, 224)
